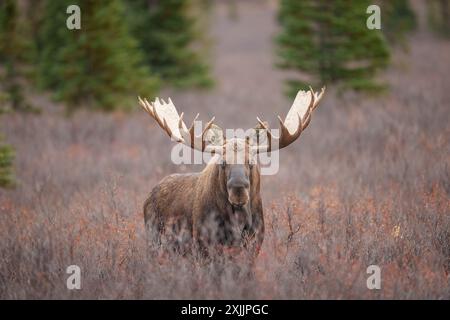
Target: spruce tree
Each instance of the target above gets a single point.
(99, 65)
(330, 42)
(166, 34)
(13, 49)
(6, 162)
(398, 19)
(439, 16)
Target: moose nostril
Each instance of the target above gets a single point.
(238, 184)
(238, 190)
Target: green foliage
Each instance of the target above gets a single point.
(6, 162)
(439, 16)
(166, 33)
(100, 65)
(329, 41)
(14, 42)
(398, 19)
(14, 49)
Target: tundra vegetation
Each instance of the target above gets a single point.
(369, 184)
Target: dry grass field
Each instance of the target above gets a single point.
(367, 183)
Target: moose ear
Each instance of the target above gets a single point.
(214, 136)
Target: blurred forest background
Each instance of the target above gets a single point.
(77, 158)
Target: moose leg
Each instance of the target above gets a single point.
(153, 225)
(177, 235)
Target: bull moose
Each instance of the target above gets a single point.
(219, 207)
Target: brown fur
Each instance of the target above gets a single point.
(193, 209)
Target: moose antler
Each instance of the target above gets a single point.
(168, 119)
(296, 121)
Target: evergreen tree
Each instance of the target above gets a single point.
(439, 16)
(6, 162)
(13, 49)
(166, 34)
(398, 19)
(329, 40)
(99, 65)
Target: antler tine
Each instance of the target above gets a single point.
(165, 113)
(142, 104)
(262, 123)
(191, 128)
(198, 142)
(317, 97)
(186, 136)
(181, 124)
(146, 106)
(208, 125)
(180, 121)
